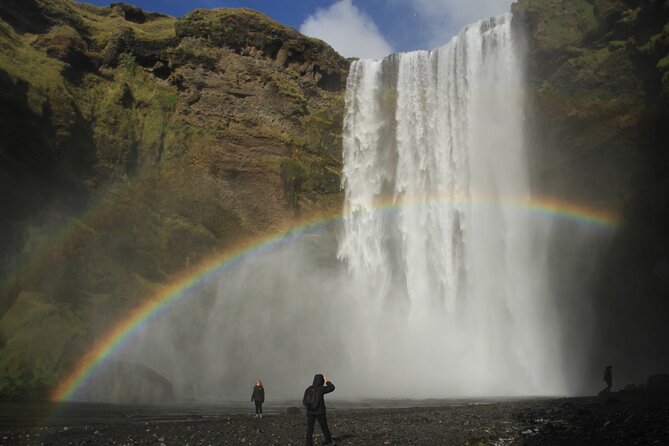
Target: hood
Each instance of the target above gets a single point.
(318, 380)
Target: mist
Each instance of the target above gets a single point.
(288, 314)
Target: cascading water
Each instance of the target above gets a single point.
(442, 288)
(437, 138)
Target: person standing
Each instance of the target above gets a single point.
(315, 404)
(608, 377)
(258, 397)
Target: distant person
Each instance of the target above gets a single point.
(608, 377)
(258, 397)
(315, 404)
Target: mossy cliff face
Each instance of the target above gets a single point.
(598, 113)
(600, 89)
(134, 146)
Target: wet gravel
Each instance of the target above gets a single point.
(623, 419)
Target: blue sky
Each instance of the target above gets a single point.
(361, 28)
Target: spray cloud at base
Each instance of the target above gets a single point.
(430, 300)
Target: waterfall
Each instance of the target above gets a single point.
(436, 227)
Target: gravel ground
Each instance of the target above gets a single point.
(623, 419)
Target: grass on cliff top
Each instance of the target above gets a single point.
(103, 23)
(105, 26)
(248, 21)
(213, 17)
(43, 75)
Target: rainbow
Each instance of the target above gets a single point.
(182, 284)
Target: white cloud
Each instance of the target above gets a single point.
(445, 18)
(348, 30)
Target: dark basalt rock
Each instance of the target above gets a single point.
(598, 123)
(658, 383)
(130, 12)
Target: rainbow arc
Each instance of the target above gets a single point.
(183, 284)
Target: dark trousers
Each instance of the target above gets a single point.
(323, 421)
(258, 407)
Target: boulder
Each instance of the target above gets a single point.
(658, 383)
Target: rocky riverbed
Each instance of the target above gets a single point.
(619, 418)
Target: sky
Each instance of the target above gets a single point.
(356, 28)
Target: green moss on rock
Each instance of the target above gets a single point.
(138, 145)
(36, 335)
(194, 51)
(663, 64)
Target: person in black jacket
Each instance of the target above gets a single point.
(608, 377)
(321, 386)
(258, 396)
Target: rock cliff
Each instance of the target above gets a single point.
(135, 145)
(598, 116)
